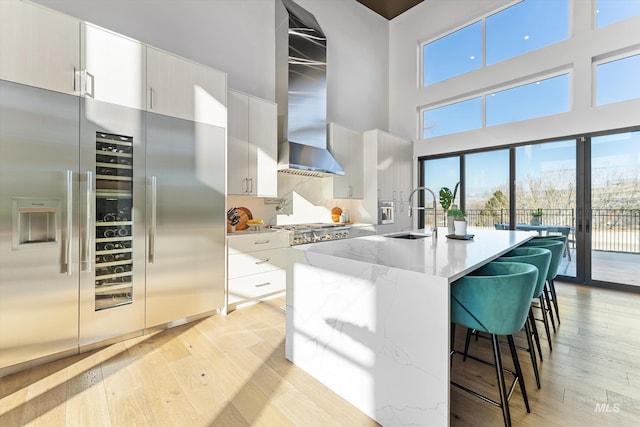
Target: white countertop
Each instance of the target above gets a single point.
(447, 258)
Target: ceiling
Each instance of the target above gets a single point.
(389, 8)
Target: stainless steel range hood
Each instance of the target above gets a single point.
(307, 160)
(303, 132)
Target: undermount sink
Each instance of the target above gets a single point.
(408, 236)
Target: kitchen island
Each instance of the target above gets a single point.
(369, 318)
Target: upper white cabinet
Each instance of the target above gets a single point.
(38, 47)
(347, 146)
(252, 146)
(394, 175)
(112, 68)
(181, 88)
(395, 167)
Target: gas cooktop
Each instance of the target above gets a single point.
(310, 226)
(315, 232)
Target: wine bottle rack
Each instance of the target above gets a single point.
(114, 221)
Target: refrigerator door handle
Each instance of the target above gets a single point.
(69, 220)
(152, 231)
(89, 224)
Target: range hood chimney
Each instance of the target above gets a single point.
(303, 89)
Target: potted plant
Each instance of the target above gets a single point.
(447, 197)
(459, 222)
(536, 217)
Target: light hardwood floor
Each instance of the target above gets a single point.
(231, 371)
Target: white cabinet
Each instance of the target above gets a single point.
(256, 266)
(394, 174)
(395, 168)
(38, 47)
(180, 88)
(252, 146)
(347, 146)
(112, 68)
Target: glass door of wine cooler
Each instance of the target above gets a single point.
(114, 225)
(112, 221)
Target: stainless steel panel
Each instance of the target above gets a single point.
(96, 324)
(186, 219)
(304, 148)
(38, 282)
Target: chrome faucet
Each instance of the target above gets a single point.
(411, 208)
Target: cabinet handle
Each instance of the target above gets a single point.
(350, 191)
(151, 98)
(245, 185)
(262, 284)
(263, 261)
(250, 185)
(152, 234)
(89, 224)
(69, 220)
(75, 76)
(261, 242)
(88, 76)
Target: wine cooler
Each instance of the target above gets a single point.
(114, 224)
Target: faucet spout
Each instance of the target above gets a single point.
(411, 208)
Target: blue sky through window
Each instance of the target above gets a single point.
(541, 98)
(458, 117)
(520, 28)
(452, 55)
(618, 80)
(611, 11)
(524, 27)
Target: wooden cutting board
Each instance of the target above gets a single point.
(245, 215)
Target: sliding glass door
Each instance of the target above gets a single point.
(586, 188)
(613, 226)
(545, 194)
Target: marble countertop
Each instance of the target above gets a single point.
(442, 257)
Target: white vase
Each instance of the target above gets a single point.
(450, 227)
(450, 219)
(460, 228)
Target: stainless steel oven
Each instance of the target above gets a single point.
(386, 212)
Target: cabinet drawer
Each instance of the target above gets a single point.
(256, 286)
(256, 262)
(257, 242)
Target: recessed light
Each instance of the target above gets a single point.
(526, 37)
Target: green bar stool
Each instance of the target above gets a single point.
(565, 241)
(557, 248)
(495, 299)
(541, 259)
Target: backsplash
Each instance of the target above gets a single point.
(302, 200)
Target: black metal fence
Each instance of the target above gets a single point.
(613, 230)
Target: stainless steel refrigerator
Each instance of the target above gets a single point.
(111, 221)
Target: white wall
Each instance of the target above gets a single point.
(433, 18)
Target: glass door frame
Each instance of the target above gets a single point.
(584, 211)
